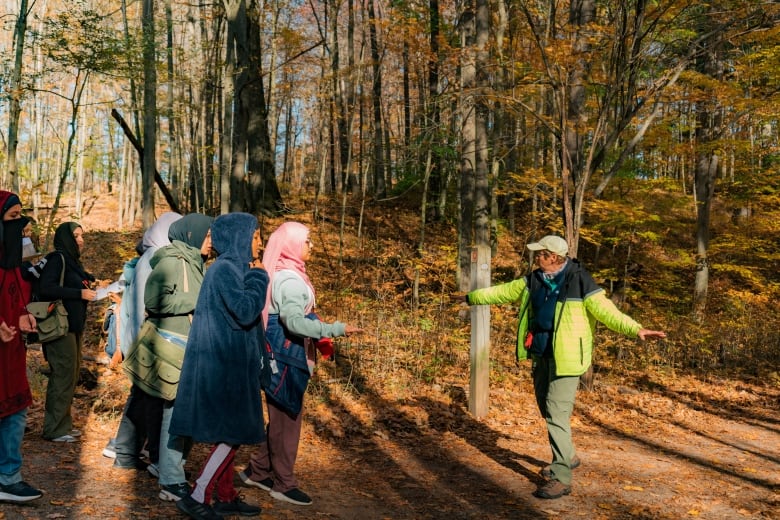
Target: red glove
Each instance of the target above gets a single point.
(325, 346)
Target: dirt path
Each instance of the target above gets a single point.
(650, 450)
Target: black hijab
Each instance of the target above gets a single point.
(13, 230)
(65, 242)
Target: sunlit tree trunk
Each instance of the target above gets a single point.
(468, 154)
(482, 113)
(709, 129)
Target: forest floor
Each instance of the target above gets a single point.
(654, 444)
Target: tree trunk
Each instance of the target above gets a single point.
(482, 113)
(572, 106)
(15, 105)
(149, 165)
(265, 195)
(468, 155)
(174, 157)
(380, 187)
(433, 133)
(709, 128)
(236, 65)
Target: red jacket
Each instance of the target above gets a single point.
(14, 389)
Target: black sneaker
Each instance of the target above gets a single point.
(19, 492)
(236, 507)
(266, 484)
(194, 509)
(174, 492)
(293, 496)
(123, 463)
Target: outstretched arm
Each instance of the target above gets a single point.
(647, 333)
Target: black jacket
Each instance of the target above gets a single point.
(70, 292)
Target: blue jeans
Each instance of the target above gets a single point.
(11, 434)
(173, 451)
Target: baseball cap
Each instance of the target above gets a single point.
(551, 243)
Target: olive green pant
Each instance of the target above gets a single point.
(64, 357)
(555, 398)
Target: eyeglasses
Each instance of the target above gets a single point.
(544, 254)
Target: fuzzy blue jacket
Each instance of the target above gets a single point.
(218, 399)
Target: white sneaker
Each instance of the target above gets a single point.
(64, 438)
(110, 450)
(154, 470)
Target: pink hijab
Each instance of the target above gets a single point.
(283, 251)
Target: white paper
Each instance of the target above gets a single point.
(102, 292)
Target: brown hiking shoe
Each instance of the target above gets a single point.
(552, 489)
(547, 473)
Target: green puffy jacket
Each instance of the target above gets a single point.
(581, 304)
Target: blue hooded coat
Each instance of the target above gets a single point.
(218, 399)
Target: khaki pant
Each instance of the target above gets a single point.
(555, 398)
(64, 357)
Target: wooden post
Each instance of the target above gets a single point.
(479, 388)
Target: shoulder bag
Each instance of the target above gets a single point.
(154, 361)
(51, 317)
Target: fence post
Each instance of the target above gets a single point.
(479, 384)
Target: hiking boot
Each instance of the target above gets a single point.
(552, 489)
(110, 450)
(266, 484)
(236, 507)
(174, 492)
(19, 492)
(293, 496)
(547, 470)
(194, 509)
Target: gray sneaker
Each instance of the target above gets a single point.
(18, 492)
